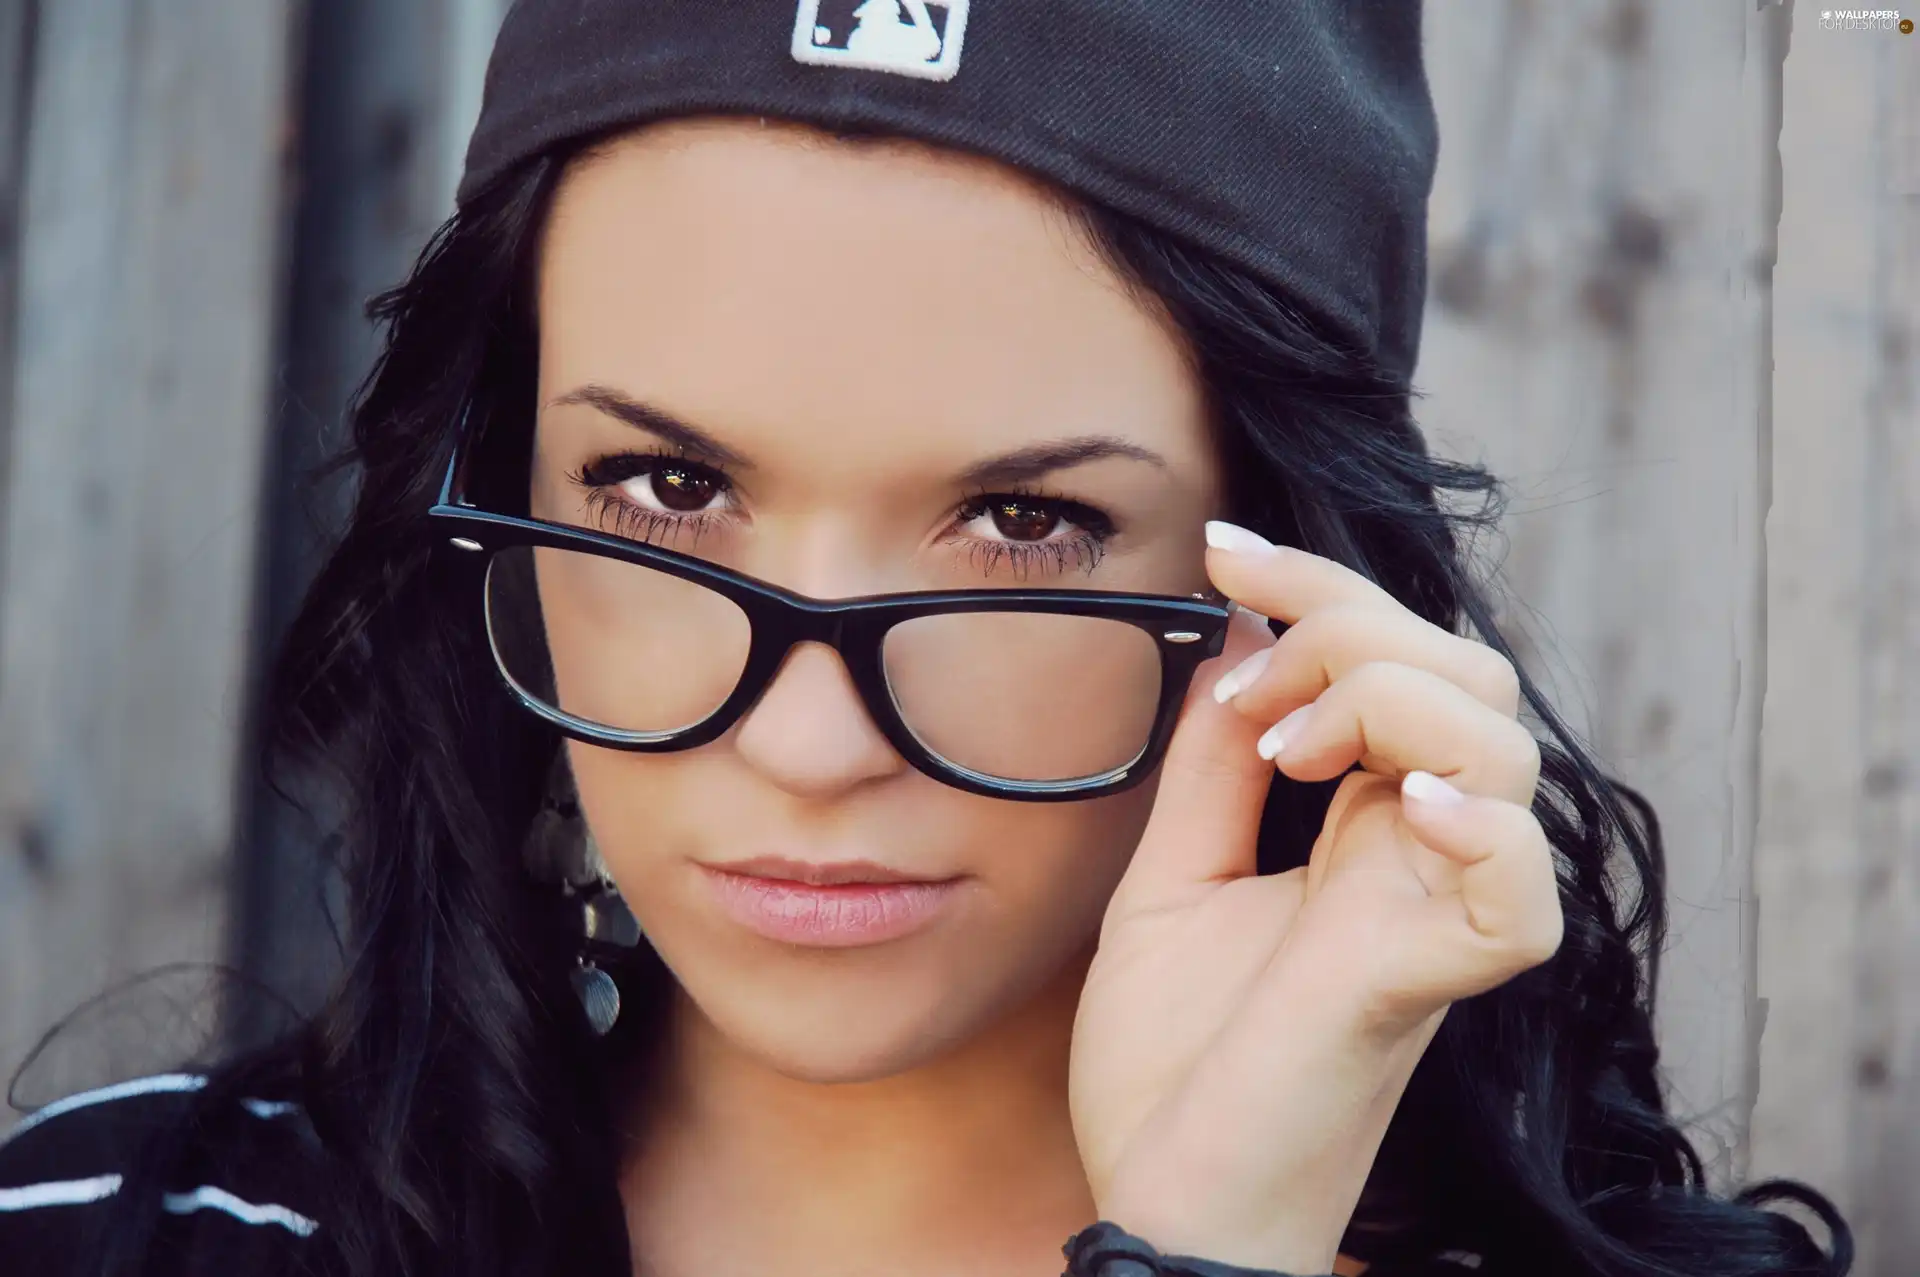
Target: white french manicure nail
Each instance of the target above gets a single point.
(1425, 787)
(1241, 676)
(1277, 736)
(1234, 538)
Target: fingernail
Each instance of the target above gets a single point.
(1277, 736)
(1241, 676)
(1233, 537)
(1425, 787)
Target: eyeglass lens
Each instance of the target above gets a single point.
(1021, 696)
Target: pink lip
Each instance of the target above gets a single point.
(833, 874)
(834, 916)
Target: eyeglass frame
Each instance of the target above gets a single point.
(1187, 631)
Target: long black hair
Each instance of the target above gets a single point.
(468, 1114)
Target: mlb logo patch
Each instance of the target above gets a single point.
(907, 37)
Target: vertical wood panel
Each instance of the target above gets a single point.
(149, 259)
(1808, 858)
(1598, 337)
(18, 20)
(1839, 858)
(1886, 1128)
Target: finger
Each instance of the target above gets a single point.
(1212, 791)
(1392, 719)
(1280, 581)
(1507, 915)
(1328, 642)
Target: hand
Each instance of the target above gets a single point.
(1243, 1040)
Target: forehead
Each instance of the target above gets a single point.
(781, 286)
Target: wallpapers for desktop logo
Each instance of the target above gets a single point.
(1864, 20)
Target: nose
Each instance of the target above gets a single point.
(810, 734)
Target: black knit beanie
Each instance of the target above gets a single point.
(1295, 138)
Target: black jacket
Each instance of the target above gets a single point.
(239, 1199)
(239, 1202)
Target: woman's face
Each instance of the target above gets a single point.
(803, 358)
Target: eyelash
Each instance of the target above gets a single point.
(1082, 550)
(620, 517)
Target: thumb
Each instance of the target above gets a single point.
(1212, 789)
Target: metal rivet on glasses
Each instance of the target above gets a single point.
(1181, 636)
(465, 543)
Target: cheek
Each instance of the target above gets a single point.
(1056, 869)
(637, 807)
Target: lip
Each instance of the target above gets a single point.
(832, 874)
(828, 916)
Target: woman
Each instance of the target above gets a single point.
(801, 500)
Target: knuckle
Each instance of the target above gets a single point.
(1539, 939)
(1350, 618)
(1318, 636)
(1345, 626)
(1542, 926)
(1372, 677)
(1495, 678)
(1519, 750)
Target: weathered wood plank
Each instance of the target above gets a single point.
(18, 19)
(1807, 862)
(1839, 858)
(148, 272)
(1597, 335)
(1886, 1128)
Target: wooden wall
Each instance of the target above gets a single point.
(148, 227)
(1675, 303)
(1598, 336)
(1838, 857)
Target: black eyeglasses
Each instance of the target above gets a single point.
(1039, 695)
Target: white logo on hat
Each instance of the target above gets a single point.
(907, 37)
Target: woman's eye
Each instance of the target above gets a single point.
(1014, 519)
(674, 489)
(651, 496)
(1026, 534)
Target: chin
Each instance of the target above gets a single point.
(858, 1015)
(841, 1027)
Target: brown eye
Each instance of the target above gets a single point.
(1024, 520)
(681, 490)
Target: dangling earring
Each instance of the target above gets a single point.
(604, 920)
(560, 849)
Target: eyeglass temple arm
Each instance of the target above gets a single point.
(456, 462)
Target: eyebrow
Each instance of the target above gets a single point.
(655, 421)
(1022, 465)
